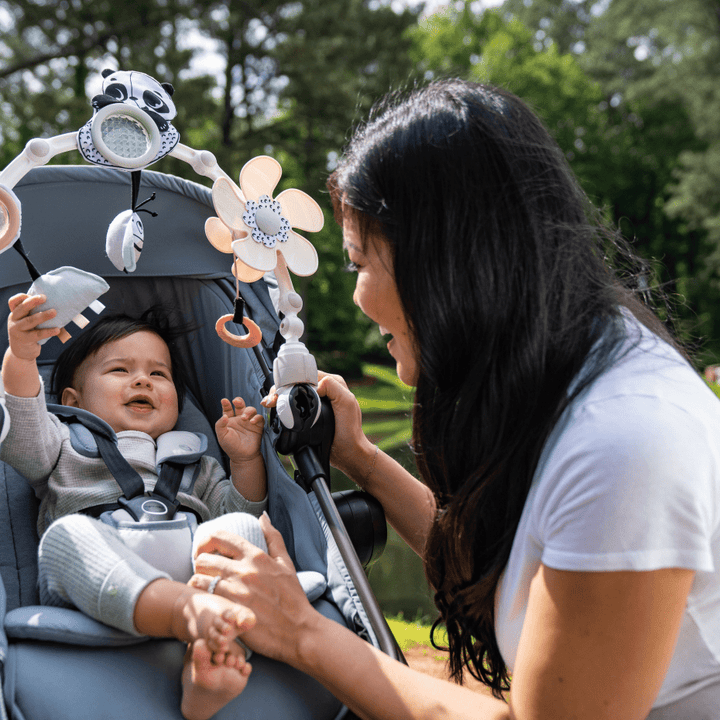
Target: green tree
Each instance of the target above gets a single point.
(625, 150)
(488, 48)
(338, 59)
(657, 63)
(294, 77)
(51, 50)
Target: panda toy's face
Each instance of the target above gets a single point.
(131, 125)
(141, 90)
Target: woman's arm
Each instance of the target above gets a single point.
(594, 646)
(289, 629)
(408, 504)
(376, 687)
(597, 645)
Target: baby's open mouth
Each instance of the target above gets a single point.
(140, 402)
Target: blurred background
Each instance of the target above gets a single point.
(629, 88)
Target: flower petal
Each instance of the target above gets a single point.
(299, 253)
(245, 273)
(301, 210)
(256, 255)
(219, 234)
(229, 203)
(260, 176)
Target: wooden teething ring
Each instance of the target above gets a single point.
(253, 337)
(9, 218)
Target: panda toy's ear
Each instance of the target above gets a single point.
(106, 72)
(168, 88)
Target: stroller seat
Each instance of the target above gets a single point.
(62, 664)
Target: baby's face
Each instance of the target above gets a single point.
(128, 384)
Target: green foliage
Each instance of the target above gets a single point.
(658, 64)
(630, 141)
(399, 583)
(414, 633)
(292, 78)
(336, 329)
(629, 88)
(503, 52)
(715, 388)
(386, 404)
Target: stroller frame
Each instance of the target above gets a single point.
(308, 448)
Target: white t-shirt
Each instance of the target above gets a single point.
(630, 480)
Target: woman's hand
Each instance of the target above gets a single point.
(265, 583)
(351, 453)
(290, 630)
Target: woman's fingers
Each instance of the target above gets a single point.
(216, 554)
(331, 385)
(265, 583)
(205, 582)
(225, 544)
(270, 400)
(276, 545)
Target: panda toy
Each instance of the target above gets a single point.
(130, 128)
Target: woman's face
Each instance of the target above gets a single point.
(377, 296)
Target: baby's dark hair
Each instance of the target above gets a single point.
(115, 327)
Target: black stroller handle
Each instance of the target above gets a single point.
(309, 447)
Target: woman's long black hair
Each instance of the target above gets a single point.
(500, 264)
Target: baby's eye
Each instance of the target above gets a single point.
(118, 369)
(351, 267)
(161, 374)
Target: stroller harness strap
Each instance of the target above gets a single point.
(176, 451)
(125, 475)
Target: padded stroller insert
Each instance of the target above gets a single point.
(179, 270)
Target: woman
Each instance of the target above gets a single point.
(569, 515)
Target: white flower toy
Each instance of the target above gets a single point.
(259, 231)
(257, 227)
(266, 220)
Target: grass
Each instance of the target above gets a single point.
(715, 388)
(386, 403)
(414, 633)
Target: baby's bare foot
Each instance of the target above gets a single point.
(225, 628)
(211, 680)
(202, 616)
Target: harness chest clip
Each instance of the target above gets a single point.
(149, 507)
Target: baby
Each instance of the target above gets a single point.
(124, 371)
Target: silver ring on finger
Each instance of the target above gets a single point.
(213, 584)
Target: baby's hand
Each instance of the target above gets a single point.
(23, 332)
(270, 400)
(239, 430)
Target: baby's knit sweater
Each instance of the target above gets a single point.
(38, 446)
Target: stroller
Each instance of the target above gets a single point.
(57, 663)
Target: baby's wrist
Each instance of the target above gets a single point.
(20, 375)
(245, 460)
(21, 353)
